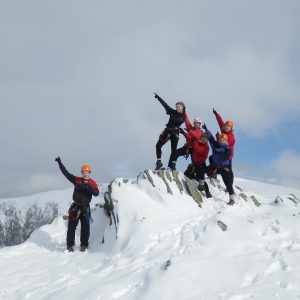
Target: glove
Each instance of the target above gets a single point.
(181, 131)
(156, 96)
(215, 112)
(204, 126)
(57, 159)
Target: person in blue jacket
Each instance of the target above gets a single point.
(220, 159)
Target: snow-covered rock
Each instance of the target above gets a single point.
(165, 246)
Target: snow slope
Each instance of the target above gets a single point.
(167, 247)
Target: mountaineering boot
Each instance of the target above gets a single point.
(207, 192)
(231, 200)
(173, 166)
(201, 185)
(214, 174)
(70, 249)
(82, 248)
(158, 164)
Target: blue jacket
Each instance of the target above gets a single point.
(220, 153)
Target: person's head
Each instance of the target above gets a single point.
(197, 123)
(223, 139)
(180, 107)
(228, 126)
(85, 172)
(203, 139)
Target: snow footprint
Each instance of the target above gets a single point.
(241, 297)
(250, 279)
(274, 227)
(277, 266)
(284, 285)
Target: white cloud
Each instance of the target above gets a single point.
(287, 166)
(282, 169)
(82, 86)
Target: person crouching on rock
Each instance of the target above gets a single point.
(200, 149)
(84, 189)
(171, 132)
(221, 160)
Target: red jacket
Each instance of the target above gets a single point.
(194, 134)
(200, 151)
(230, 134)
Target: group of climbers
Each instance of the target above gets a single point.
(197, 146)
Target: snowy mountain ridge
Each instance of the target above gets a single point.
(167, 246)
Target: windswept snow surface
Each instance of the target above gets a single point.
(167, 247)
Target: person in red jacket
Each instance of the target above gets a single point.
(200, 149)
(195, 133)
(227, 128)
(84, 189)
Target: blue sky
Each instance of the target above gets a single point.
(82, 86)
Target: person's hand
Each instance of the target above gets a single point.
(156, 96)
(181, 131)
(57, 159)
(204, 126)
(214, 111)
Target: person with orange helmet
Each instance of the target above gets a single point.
(220, 159)
(84, 189)
(227, 128)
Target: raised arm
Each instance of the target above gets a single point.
(63, 169)
(210, 137)
(163, 103)
(219, 119)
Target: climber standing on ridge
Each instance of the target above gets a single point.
(227, 128)
(84, 189)
(220, 160)
(195, 132)
(171, 132)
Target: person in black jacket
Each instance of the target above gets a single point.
(171, 132)
(84, 189)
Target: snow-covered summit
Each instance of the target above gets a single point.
(165, 246)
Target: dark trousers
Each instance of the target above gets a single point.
(196, 171)
(166, 135)
(227, 176)
(84, 219)
(180, 152)
(200, 171)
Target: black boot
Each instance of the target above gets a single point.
(158, 164)
(201, 188)
(207, 192)
(82, 248)
(231, 200)
(70, 249)
(173, 166)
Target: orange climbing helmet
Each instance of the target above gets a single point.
(229, 123)
(223, 136)
(86, 168)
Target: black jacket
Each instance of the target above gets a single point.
(176, 119)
